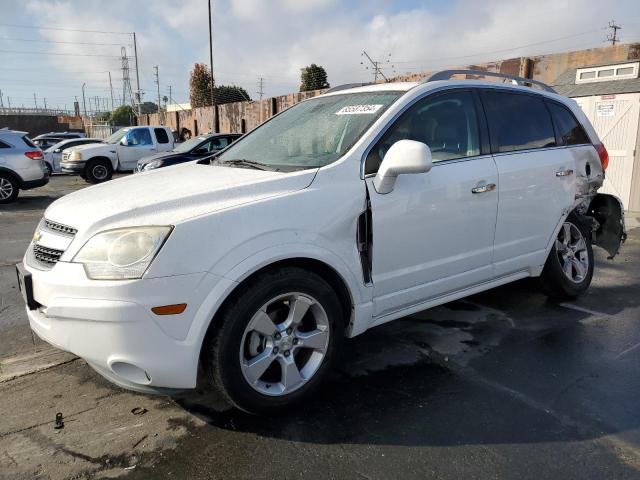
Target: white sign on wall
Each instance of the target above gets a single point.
(605, 109)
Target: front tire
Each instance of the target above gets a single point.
(98, 171)
(568, 270)
(8, 188)
(274, 343)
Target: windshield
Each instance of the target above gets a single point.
(116, 137)
(55, 146)
(313, 133)
(189, 144)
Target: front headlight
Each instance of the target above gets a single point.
(75, 156)
(121, 254)
(152, 165)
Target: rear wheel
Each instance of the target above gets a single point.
(8, 188)
(569, 267)
(98, 171)
(49, 169)
(275, 341)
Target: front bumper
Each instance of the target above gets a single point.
(111, 326)
(72, 167)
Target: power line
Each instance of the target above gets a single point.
(61, 54)
(34, 27)
(63, 42)
(377, 69)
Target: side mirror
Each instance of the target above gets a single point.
(57, 150)
(404, 157)
(124, 142)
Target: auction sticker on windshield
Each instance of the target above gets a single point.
(358, 109)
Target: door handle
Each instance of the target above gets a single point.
(484, 188)
(564, 173)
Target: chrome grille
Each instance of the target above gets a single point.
(59, 228)
(66, 156)
(46, 256)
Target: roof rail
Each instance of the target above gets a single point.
(447, 74)
(346, 86)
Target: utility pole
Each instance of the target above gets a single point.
(45, 103)
(213, 99)
(260, 87)
(158, 86)
(1, 103)
(84, 104)
(135, 53)
(377, 70)
(111, 88)
(613, 38)
(170, 94)
(35, 101)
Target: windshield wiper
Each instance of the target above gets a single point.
(243, 162)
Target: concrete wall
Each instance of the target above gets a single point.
(35, 125)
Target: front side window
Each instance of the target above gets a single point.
(313, 133)
(569, 130)
(139, 137)
(218, 144)
(447, 123)
(517, 121)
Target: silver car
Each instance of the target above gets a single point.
(22, 165)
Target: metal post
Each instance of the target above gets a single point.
(213, 101)
(84, 104)
(111, 88)
(158, 85)
(135, 53)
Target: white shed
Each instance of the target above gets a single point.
(610, 96)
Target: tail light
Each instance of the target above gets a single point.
(34, 155)
(603, 154)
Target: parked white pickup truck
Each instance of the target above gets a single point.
(120, 152)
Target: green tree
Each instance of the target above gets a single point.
(230, 93)
(148, 107)
(313, 77)
(122, 116)
(200, 86)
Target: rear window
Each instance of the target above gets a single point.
(161, 135)
(28, 141)
(569, 131)
(517, 121)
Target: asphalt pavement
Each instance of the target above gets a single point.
(504, 384)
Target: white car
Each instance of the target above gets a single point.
(53, 154)
(118, 153)
(344, 212)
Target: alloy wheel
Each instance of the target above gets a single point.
(6, 189)
(571, 248)
(99, 172)
(284, 344)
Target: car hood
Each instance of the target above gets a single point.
(171, 195)
(91, 146)
(160, 156)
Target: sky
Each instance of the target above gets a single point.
(42, 51)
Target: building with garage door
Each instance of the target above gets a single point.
(610, 96)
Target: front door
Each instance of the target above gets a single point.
(433, 234)
(139, 144)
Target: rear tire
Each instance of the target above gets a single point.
(568, 270)
(274, 343)
(49, 169)
(9, 188)
(98, 171)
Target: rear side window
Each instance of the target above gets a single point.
(3, 145)
(517, 122)
(569, 131)
(29, 143)
(161, 135)
(218, 143)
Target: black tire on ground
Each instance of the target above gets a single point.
(98, 171)
(224, 346)
(9, 188)
(554, 281)
(49, 169)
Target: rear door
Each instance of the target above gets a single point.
(536, 178)
(433, 234)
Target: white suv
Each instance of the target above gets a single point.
(21, 165)
(344, 212)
